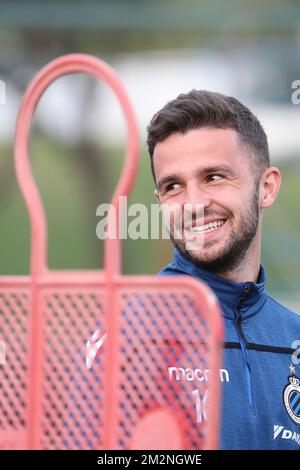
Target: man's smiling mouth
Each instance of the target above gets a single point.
(208, 227)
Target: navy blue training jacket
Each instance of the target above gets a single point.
(261, 390)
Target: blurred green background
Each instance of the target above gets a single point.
(160, 48)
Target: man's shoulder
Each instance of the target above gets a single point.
(170, 270)
(283, 311)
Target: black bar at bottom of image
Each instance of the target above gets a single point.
(143, 459)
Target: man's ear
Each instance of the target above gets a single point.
(270, 185)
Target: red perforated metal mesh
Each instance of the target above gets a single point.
(14, 334)
(72, 405)
(163, 358)
(164, 340)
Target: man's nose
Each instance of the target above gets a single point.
(195, 195)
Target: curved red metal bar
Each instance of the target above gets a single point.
(71, 63)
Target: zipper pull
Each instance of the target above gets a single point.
(247, 288)
(246, 292)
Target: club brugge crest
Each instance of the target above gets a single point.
(291, 398)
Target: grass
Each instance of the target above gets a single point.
(71, 195)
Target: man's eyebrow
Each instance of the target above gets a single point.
(217, 169)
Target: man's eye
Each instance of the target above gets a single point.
(214, 177)
(172, 187)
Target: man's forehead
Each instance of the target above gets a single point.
(198, 138)
(198, 148)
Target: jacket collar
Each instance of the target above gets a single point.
(250, 295)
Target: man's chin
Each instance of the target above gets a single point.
(209, 252)
(200, 259)
(197, 255)
(215, 261)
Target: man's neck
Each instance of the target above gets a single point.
(247, 270)
(242, 275)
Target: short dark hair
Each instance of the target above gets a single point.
(200, 108)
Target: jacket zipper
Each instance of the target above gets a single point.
(243, 342)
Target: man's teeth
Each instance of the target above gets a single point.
(208, 227)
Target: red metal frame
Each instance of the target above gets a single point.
(109, 279)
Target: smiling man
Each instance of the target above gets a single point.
(209, 149)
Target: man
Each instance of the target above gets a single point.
(209, 148)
